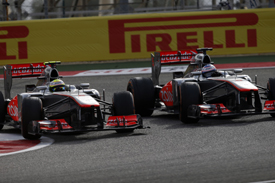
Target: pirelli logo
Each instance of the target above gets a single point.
(15, 33)
(118, 29)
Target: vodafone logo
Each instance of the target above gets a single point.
(35, 68)
(177, 56)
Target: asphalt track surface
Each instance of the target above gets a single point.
(214, 150)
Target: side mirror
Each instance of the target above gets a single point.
(238, 70)
(41, 87)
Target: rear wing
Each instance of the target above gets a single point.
(169, 58)
(28, 70)
(20, 71)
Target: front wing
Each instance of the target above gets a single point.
(219, 110)
(61, 126)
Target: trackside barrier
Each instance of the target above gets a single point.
(124, 37)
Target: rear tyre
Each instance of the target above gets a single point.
(2, 110)
(31, 110)
(123, 104)
(190, 93)
(271, 92)
(144, 95)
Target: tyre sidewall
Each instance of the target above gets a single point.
(190, 94)
(2, 110)
(271, 91)
(123, 103)
(31, 110)
(144, 95)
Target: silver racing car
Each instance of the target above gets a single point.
(200, 91)
(51, 106)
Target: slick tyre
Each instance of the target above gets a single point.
(2, 110)
(271, 90)
(123, 104)
(31, 110)
(144, 95)
(190, 93)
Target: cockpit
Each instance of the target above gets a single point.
(49, 74)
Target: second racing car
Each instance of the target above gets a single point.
(200, 91)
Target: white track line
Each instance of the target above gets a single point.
(267, 181)
(44, 142)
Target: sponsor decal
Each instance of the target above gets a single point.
(35, 68)
(176, 56)
(12, 109)
(14, 33)
(118, 29)
(166, 94)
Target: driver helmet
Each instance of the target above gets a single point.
(208, 70)
(57, 85)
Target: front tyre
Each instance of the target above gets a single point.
(271, 90)
(144, 95)
(2, 110)
(31, 110)
(190, 94)
(123, 104)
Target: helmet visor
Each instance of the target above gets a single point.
(58, 88)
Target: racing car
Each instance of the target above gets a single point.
(201, 91)
(51, 106)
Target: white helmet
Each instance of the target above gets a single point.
(208, 70)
